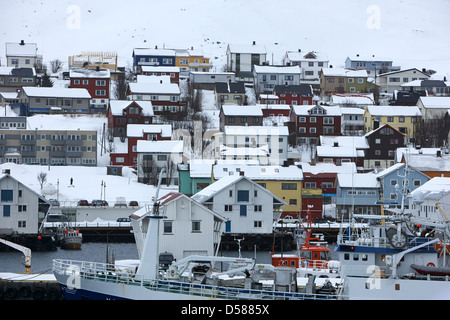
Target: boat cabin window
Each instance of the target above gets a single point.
(324, 255)
(346, 256)
(306, 254)
(364, 257)
(355, 257)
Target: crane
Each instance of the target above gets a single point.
(26, 251)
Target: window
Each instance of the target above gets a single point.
(328, 120)
(302, 130)
(327, 184)
(351, 80)
(7, 196)
(377, 141)
(120, 160)
(22, 208)
(21, 224)
(401, 119)
(288, 186)
(360, 80)
(230, 193)
(162, 157)
(228, 207)
(231, 119)
(312, 130)
(167, 227)
(255, 120)
(196, 226)
(390, 119)
(377, 152)
(292, 202)
(101, 83)
(258, 208)
(243, 196)
(6, 211)
(311, 185)
(313, 119)
(257, 224)
(417, 183)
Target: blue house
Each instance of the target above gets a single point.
(393, 179)
(357, 193)
(152, 57)
(374, 65)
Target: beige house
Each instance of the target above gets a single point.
(54, 147)
(391, 81)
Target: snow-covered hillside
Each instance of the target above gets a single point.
(412, 32)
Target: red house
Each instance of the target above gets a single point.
(172, 72)
(308, 123)
(319, 185)
(294, 94)
(96, 82)
(123, 112)
(126, 152)
(275, 110)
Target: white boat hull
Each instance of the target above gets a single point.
(359, 288)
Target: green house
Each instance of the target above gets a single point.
(194, 176)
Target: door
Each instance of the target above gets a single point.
(228, 226)
(243, 210)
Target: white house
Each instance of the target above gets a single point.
(159, 154)
(188, 228)
(433, 107)
(310, 63)
(432, 199)
(21, 208)
(265, 78)
(391, 81)
(274, 140)
(249, 208)
(241, 58)
(23, 55)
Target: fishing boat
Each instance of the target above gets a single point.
(194, 277)
(313, 254)
(68, 237)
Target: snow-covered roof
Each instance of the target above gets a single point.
(325, 167)
(258, 172)
(357, 99)
(244, 48)
(117, 107)
(344, 72)
(303, 110)
(156, 88)
(304, 56)
(70, 122)
(56, 92)
(277, 69)
(160, 69)
(138, 130)
(11, 71)
(152, 79)
(386, 111)
(256, 131)
(21, 50)
(153, 52)
(89, 73)
(162, 146)
(358, 57)
(351, 110)
(330, 151)
(434, 189)
(236, 110)
(262, 151)
(358, 180)
(435, 102)
(345, 141)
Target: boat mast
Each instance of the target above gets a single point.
(149, 264)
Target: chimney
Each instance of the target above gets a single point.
(299, 50)
(156, 47)
(254, 42)
(6, 171)
(357, 54)
(22, 43)
(336, 144)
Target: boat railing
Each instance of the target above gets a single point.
(109, 273)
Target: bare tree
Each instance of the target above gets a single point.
(42, 178)
(149, 170)
(56, 65)
(431, 133)
(120, 92)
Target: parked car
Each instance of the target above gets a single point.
(99, 203)
(123, 220)
(54, 202)
(83, 203)
(133, 204)
(288, 219)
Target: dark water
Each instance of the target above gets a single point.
(41, 262)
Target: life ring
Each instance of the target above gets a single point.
(24, 291)
(11, 293)
(38, 293)
(431, 264)
(283, 262)
(52, 294)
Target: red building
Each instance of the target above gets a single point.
(172, 72)
(126, 153)
(96, 82)
(123, 112)
(308, 123)
(275, 110)
(294, 94)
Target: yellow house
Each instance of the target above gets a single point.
(284, 182)
(401, 118)
(192, 60)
